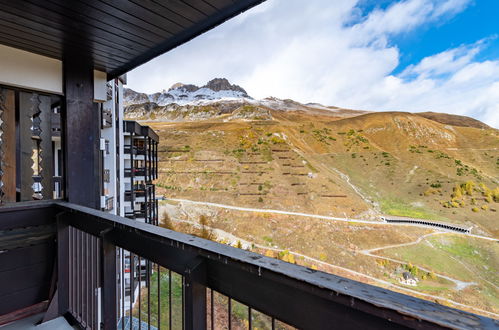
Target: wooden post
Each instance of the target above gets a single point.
(82, 133)
(8, 146)
(195, 295)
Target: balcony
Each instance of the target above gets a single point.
(135, 150)
(87, 245)
(56, 124)
(141, 171)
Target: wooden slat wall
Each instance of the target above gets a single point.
(8, 146)
(28, 104)
(25, 274)
(46, 150)
(27, 242)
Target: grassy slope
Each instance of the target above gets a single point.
(393, 158)
(467, 259)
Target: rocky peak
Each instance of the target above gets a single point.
(222, 84)
(184, 87)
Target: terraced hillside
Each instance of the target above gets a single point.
(361, 166)
(308, 184)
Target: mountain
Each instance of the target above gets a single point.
(275, 154)
(187, 102)
(187, 94)
(429, 152)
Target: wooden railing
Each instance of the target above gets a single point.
(96, 251)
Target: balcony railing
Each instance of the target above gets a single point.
(101, 257)
(136, 150)
(141, 171)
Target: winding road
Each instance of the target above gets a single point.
(232, 239)
(316, 216)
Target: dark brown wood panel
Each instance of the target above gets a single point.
(24, 298)
(100, 43)
(46, 152)
(165, 12)
(25, 277)
(95, 18)
(25, 274)
(20, 13)
(53, 47)
(28, 106)
(219, 4)
(22, 237)
(22, 257)
(82, 133)
(27, 217)
(117, 35)
(8, 146)
(181, 8)
(201, 5)
(48, 35)
(140, 17)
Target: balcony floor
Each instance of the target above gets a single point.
(31, 323)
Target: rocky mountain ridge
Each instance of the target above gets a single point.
(218, 97)
(188, 94)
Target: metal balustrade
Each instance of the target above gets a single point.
(115, 272)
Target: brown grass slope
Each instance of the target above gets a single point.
(297, 160)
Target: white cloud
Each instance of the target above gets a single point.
(316, 51)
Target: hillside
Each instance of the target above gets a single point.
(255, 158)
(325, 160)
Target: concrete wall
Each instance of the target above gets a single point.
(100, 88)
(23, 69)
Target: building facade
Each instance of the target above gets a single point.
(129, 161)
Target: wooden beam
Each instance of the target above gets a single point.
(82, 132)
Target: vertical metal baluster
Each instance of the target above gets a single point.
(250, 325)
(170, 298)
(139, 295)
(123, 289)
(148, 284)
(78, 273)
(91, 280)
(273, 323)
(159, 297)
(212, 302)
(70, 253)
(96, 283)
(230, 313)
(87, 272)
(182, 283)
(132, 286)
(98, 277)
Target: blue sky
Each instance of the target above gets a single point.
(409, 55)
(480, 20)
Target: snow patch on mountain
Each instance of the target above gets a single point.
(218, 89)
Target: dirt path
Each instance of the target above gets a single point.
(232, 240)
(460, 285)
(308, 215)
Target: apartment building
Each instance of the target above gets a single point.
(63, 62)
(140, 168)
(129, 160)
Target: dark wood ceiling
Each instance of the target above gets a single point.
(119, 35)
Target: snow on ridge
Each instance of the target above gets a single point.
(182, 97)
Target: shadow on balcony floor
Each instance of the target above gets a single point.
(31, 323)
